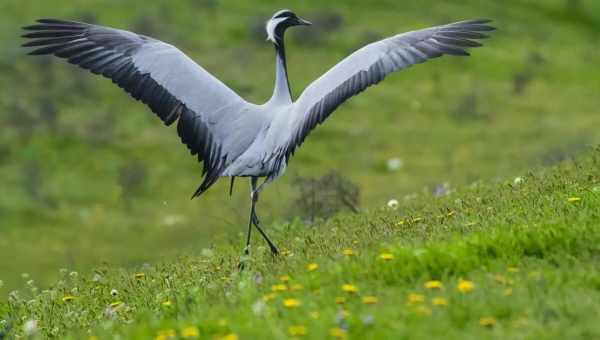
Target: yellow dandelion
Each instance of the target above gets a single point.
(285, 278)
(291, 303)
(312, 267)
(68, 298)
(465, 286)
(167, 303)
(386, 256)
(348, 288)
(338, 333)
(340, 300)
(487, 321)
(574, 199)
(370, 300)
(139, 275)
(166, 334)
(512, 269)
(116, 304)
(190, 332)
(296, 287)
(279, 288)
(434, 284)
(297, 330)
(439, 301)
(231, 336)
(348, 252)
(342, 313)
(269, 297)
(414, 298)
(315, 315)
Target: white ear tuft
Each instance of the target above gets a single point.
(271, 26)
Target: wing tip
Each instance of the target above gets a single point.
(476, 25)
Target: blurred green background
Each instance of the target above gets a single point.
(88, 176)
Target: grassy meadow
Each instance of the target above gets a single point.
(514, 259)
(94, 184)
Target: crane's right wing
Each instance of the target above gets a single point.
(159, 75)
(370, 65)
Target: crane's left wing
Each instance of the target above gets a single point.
(370, 65)
(209, 114)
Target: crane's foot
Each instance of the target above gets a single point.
(244, 259)
(274, 250)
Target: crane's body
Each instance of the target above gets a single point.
(230, 136)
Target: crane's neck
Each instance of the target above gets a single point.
(282, 93)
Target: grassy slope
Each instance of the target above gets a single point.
(62, 205)
(530, 249)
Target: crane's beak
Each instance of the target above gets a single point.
(304, 22)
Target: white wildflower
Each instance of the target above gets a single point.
(97, 278)
(114, 292)
(30, 327)
(392, 204)
(518, 180)
(172, 220)
(207, 252)
(259, 307)
(394, 164)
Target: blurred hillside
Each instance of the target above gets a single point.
(89, 176)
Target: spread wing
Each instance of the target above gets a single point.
(161, 76)
(370, 65)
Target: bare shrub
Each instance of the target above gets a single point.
(323, 197)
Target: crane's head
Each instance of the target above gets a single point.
(281, 21)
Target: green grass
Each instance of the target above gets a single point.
(451, 121)
(91, 179)
(530, 249)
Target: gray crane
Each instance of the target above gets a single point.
(230, 136)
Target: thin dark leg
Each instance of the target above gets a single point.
(274, 250)
(253, 198)
(231, 185)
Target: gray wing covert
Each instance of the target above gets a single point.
(161, 76)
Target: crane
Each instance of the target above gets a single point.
(230, 136)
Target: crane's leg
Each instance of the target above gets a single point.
(254, 199)
(254, 219)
